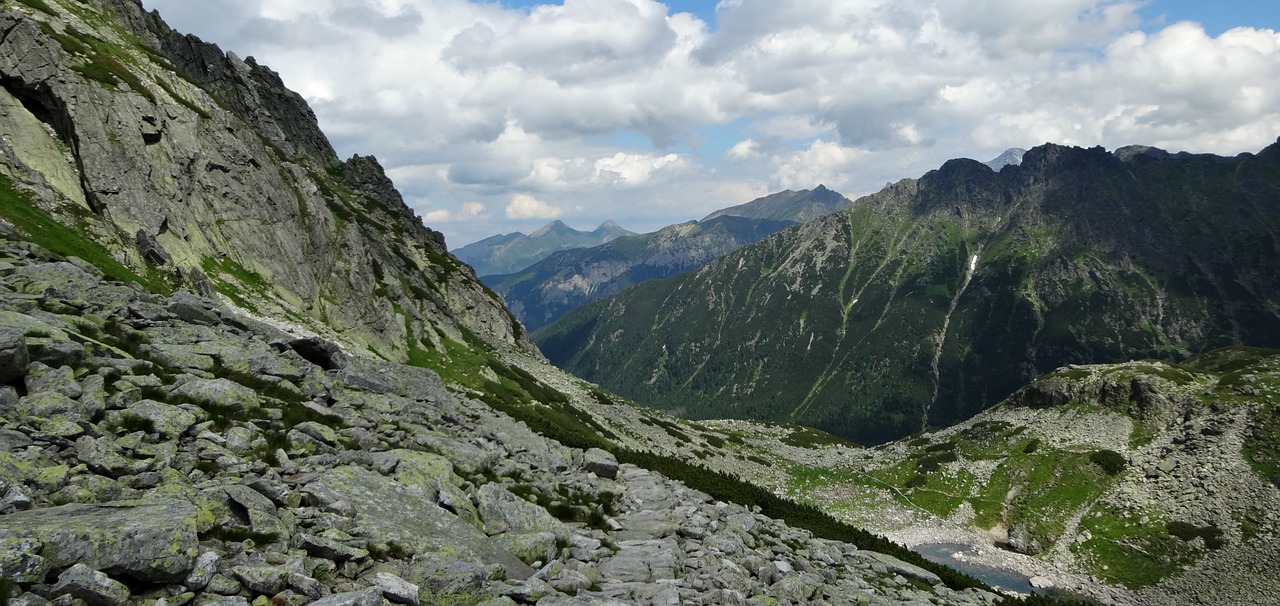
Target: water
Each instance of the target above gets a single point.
(995, 577)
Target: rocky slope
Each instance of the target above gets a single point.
(515, 251)
(1158, 477)
(171, 450)
(938, 297)
(799, 206)
(541, 293)
(200, 170)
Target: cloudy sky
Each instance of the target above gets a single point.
(494, 117)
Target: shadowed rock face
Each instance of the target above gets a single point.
(937, 297)
(200, 169)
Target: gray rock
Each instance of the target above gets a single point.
(371, 596)
(330, 549)
(220, 391)
(392, 512)
(60, 379)
(396, 589)
(149, 541)
(260, 509)
(265, 580)
(896, 566)
(502, 512)
(170, 421)
(14, 357)
(601, 463)
(92, 586)
(643, 561)
(206, 565)
(19, 560)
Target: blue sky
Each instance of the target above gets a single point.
(495, 117)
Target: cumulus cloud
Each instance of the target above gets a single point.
(824, 162)
(472, 102)
(469, 211)
(524, 206)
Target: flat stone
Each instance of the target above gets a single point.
(371, 596)
(150, 541)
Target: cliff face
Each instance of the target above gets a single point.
(937, 297)
(204, 172)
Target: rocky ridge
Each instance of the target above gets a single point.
(515, 251)
(171, 450)
(196, 169)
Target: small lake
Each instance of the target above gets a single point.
(996, 577)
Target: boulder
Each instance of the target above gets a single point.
(503, 511)
(224, 392)
(14, 356)
(396, 589)
(149, 541)
(601, 463)
(371, 596)
(92, 586)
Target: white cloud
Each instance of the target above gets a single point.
(745, 149)
(469, 211)
(634, 169)
(473, 102)
(823, 163)
(524, 206)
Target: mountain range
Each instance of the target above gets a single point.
(515, 251)
(541, 293)
(937, 297)
(236, 369)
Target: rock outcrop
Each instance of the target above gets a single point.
(200, 170)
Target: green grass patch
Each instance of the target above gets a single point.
(40, 228)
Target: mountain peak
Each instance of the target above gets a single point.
(1011, 156)
(609, 224)
(550, 228)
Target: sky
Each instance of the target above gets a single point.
(493, 117)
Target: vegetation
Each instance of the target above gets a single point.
(39, 227)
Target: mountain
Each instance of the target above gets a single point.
(187, 168)
(203, 319)
(799, 206)
(543, 292)
(1010, 157)
(937, 297)
(515, 251)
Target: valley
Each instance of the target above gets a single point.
(238, 370)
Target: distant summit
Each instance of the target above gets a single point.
(515, 251)
(1011, 156)
(799, 206)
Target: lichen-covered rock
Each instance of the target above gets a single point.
(396, 589)
(506, 512)
(92, 586)
(20, 560)
(149, 541)
(223, 392)
(365, 597)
